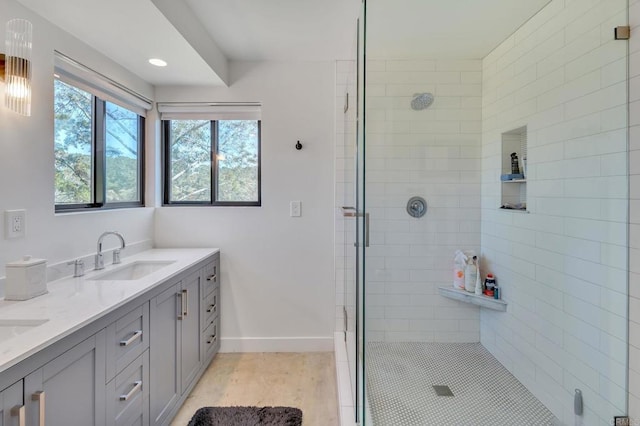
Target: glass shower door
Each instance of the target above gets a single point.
(553, 89)
(353, 218)
(362, 223)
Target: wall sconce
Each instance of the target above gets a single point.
(15, 66)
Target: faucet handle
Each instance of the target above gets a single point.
(116, 256)
(99, 262)
(78, 267)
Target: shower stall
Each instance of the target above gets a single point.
(510, 120)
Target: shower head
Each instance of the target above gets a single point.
(421, 101)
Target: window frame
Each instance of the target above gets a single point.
(213, 159)
(98, 161)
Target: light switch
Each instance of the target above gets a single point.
(295, 208)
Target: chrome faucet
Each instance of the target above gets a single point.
(116, 252)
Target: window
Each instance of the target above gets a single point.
(98, 151)
(98, 139)
(212, 162)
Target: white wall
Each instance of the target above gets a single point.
(634, 213)
(277, 271)
(562, 267)
(26, 162)
(435, 154)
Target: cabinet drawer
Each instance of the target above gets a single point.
(211, 338)
(128, 394)
(211, 277)
(210, 308)
(127, 339)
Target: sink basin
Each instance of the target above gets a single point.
(132, 271)
(13, 328)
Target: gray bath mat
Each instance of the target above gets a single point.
(247, 416)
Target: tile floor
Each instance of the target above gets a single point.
(303, 380)
(399, 384)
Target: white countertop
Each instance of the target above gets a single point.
(75, 302)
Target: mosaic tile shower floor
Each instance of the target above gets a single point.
(399, 384)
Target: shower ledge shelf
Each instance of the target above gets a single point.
(482, 301)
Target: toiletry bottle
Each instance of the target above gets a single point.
(459, 266)
(478, 291)
(496, 292)
(515, 168)
(470, 276)
(489, 284)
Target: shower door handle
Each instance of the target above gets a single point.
(349, 211)
(353, 212)
(366, 229)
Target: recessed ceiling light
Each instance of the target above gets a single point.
(157, 62)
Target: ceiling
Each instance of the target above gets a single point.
(130, 32)
(198, 38)
(468, 29)
(256, 30)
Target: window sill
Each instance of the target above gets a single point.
(81, 209)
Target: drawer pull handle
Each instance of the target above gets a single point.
(39, 396)
(212, 277)
(211, 308)
(181, 313)
(214, 336)
(185, 299)
(131, 339)
(19, 411)
(136, 387)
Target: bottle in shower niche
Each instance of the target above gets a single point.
(489, 285)
(470, 276)
(459, 267)
(515, 167)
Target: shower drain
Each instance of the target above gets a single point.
(442, 390)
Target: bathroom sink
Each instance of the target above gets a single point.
(13, 328)
(132, 271)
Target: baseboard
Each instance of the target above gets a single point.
(277, 344)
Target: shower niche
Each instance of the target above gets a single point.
(513, 175)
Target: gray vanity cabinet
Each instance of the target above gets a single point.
(210, 321)
(71, 387)
(11, 405)
(175, 344)
(189, 343)
(128, 394)
(128, 369)
(165, 354)
(134, 367)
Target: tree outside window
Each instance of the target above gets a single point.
(98, 151)
(212, 162)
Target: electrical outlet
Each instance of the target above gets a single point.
(15, 223)
(295, 208)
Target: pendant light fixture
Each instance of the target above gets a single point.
(15, 66)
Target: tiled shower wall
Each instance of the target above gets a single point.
(435, 154)
(562, 267)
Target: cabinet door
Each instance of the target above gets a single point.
(190, 336)
(11, 407)
(164, 354)
(73, 385)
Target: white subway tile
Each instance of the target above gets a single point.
(411, 65)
